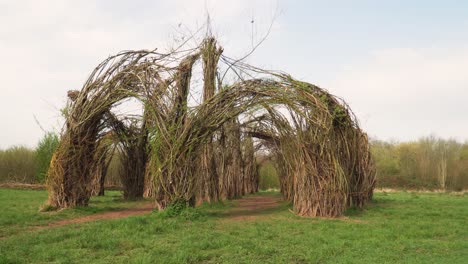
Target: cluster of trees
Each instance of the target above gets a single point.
(25, 165)
(428, 163)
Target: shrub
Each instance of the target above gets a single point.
(44, 151)
(180, 210)
(18, 164)
(268, 176)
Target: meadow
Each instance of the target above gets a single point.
(396, 227)
(189, 155)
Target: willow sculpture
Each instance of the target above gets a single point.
(190, 153)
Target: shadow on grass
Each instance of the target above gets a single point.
(258, 205)
(259, 212)
(376, 204)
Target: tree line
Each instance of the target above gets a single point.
(426, 163)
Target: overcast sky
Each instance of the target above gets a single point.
(401, 65)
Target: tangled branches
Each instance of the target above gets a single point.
(203, 153)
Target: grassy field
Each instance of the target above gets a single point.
(399, 227)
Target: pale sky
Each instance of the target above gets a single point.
(401, 65)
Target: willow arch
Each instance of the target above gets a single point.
(204, 153)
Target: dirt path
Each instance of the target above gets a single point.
(140, 210)
(253, 207)
(248, 208)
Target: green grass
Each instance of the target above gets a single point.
(21, 209)
(396, 228)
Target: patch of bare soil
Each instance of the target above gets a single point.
(140, 210)
(253, 207)
(22, 186)
(37, 186)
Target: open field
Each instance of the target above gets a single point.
(395, 228)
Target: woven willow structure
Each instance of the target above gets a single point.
(183, 152)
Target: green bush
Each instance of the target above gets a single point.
(18, 164)
(268, 176)
(180, 210)
(44, 151)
